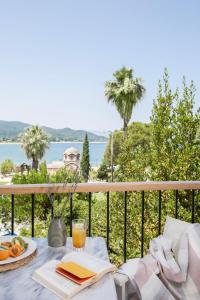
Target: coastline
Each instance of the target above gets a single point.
(62, 142)
(14, 151)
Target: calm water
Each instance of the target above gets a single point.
(55, 152)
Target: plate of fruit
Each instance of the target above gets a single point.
(13, 249)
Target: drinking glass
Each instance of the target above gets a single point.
(79, 228)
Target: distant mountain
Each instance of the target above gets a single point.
(101, 133)
(10, 130)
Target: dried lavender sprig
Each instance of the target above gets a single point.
(74, 185)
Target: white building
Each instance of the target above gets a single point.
(71, 160)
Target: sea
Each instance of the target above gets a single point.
(55, 152)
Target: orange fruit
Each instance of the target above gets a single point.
(15, 250)
(6, 244)
(4, 254)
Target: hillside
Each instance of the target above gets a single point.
(10, 130)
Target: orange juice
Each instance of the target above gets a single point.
(78, 236)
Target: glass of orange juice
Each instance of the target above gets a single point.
(79, 228)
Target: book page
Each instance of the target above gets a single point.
(89, 261)
(64, 287)
(47, 276)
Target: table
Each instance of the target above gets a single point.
(18, 284)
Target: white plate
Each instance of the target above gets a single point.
(30, 249)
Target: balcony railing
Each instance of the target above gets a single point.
(90, 188)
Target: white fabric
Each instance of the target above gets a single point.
(173, 230)
(160, 275)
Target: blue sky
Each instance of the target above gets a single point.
(55, 56)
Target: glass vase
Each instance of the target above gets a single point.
(57, 233)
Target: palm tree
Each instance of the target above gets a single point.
(34, 142)
(124, 92)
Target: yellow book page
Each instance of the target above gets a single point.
(77, 270)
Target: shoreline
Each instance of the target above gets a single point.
(63, 142)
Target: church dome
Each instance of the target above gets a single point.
(71, 150)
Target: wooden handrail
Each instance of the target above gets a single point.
(22, 189)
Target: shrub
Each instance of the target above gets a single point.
(7, 167)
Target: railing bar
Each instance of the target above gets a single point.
(52, 205)
(52, 211)
(58, 195)
(89, 212)
(71, 211)
(125, 224)
(159, 211)
(142, 224)
(108, 219)
(12, 213)
(33, 215)
(57, 188)
(193, 206)
(176, 203)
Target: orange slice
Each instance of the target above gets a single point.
(16, 250)
(4, 254)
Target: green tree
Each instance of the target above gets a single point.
(85, 161)
(186, 143)
(124, 92)
(7, 167)
(125, 152)
(175, 145)
(117, 141)
(103, 171)
(34, 141)
(162, 132)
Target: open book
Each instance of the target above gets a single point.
(73, 273)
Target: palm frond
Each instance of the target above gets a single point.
(124, 92)
(34, 142)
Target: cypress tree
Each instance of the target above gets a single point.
(85, 161)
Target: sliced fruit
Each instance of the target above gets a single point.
(16, 250)
(6, 244)
(19, 241)
(4, 254)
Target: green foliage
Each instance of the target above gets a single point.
(127, 153)
(85, 160)
(7, 167)
(138, 134)
(23, 202)
(33, 176)
(167, 149)
(175, 147)
(65, 176)
(43, 203)
(124, 92)
(117, 143)
(103, 171)
(34, 141)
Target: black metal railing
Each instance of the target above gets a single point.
(159, 211)
(89, 188)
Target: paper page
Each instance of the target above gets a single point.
(48, 274)
(88, 261)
